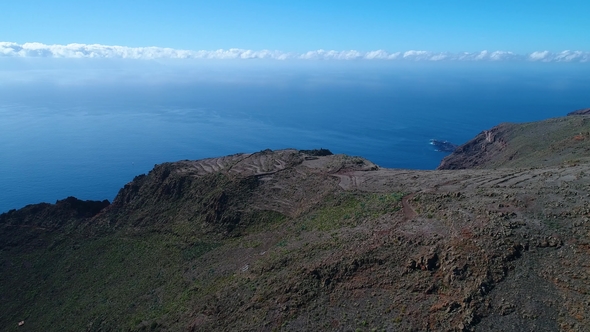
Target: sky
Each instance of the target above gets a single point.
(455, 26)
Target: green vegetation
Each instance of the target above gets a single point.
(98, 284)
(258, 221)
(550, 142)
(348, 209)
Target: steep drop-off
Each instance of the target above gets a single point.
(552, 142)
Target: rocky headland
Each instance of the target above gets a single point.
(551, 142)
(496, 239)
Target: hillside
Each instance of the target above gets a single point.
(301, 240)
(551, 142)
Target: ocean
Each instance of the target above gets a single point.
(86, 128)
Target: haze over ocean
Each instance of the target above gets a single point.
(84, 128)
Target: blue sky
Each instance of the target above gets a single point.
(521, 26)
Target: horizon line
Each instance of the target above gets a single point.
(78, 51)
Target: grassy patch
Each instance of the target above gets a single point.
(108, 283)
(197, 249)
(347, 210)
(259, 221)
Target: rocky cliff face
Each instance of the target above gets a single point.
(28, 227)
(584, 111)
(485, 148)
(286, 240)
(551, 142)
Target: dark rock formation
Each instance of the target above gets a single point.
(584, 111)
(443, 146)
(552, 142)
(484, 148)
(51, 215)
(27, 226)
(317, 152)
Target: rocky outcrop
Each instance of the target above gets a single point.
(52, 216)
(485, 147)
(552, 142)
(584, 111)
(29, 225)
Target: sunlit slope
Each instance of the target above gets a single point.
(552, 142)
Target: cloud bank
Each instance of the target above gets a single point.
(39, 50)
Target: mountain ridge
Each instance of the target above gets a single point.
(302, 240)
(534, 144)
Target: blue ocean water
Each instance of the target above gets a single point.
(87, 131)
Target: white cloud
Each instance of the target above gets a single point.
(481, 56)
(570, 56)
(381, 55)
(39, 50)
(565, 56)
(330, 55)
(540, 56)
(416, 55)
